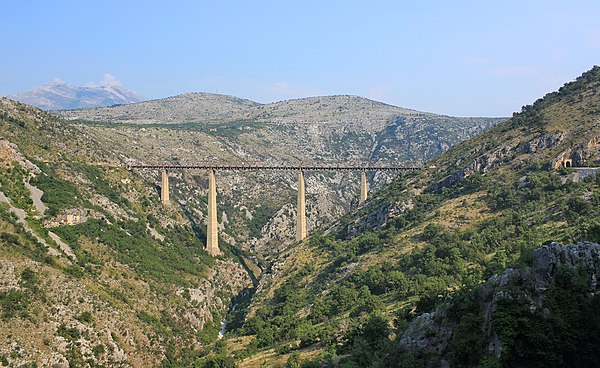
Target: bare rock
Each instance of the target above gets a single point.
(8, 279)
(427, 333)
(545, 141)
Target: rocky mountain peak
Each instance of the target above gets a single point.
(59, 95)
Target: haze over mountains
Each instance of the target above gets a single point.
(59, 95)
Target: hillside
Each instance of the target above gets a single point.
(94, 271)
(214, 108)
(396, 283)
(62, 96)
(208, 108)
(188, 107)
(259, 207)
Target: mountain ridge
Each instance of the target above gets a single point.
(201, 107)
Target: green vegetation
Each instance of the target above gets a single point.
(14, 304)
(562, 334)
(30, 280)
(568, 336)
(99, 182)
(218, 358)
(20, 240)
(85, 317)
(427, 277)
(451, 238)
(58, 194)
(229, 129)
(12, 185)
(260, 217)
(118, 264)
(10, 238)
(68, 333)
(136, 248)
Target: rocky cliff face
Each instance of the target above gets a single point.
(432, 332)
(534, 281)
(545, 134)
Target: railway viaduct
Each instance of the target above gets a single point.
(212, 236)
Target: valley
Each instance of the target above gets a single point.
(329, 130)
(95, 237)
(98, 271)
(462, 265)
(315, 184)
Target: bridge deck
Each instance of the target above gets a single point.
(275, 167)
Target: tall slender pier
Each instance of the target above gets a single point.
(364, 187)
(301, 210)
(212, 235)
(212, 232)
(164, 189)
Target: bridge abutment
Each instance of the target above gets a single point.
(212, 234)
(301, 210)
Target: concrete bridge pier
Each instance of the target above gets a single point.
(212, 234)
(301, 210)
(364, 187)
(164, 188)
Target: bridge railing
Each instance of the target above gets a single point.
(274, 167)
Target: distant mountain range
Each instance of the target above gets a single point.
(63, 96)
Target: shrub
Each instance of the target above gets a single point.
(14, 303)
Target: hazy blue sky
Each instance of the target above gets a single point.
(485, 58)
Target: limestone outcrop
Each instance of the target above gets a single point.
(431, 332)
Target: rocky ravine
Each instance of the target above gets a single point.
(259, 207)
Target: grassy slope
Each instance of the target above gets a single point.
(355, 292)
